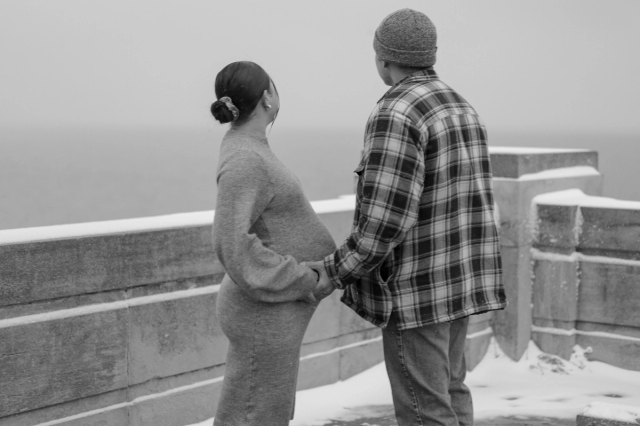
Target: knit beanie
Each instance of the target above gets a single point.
(406, 37)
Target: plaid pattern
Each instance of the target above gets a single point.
(424, 241)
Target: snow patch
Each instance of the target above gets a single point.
(620, 413)
(544, 383)
(533, 224)
(544, 363)
(496, 215)
(341, 348)
(528, 150)
(143, 224)
(480, 333)
(107, 227)
(609, 260)
(344, 203)
(537, 383)
(567, 197)
(575, 197)
(573, 332)
(560, 173)
(105, 307)
(579, 356)
(537, 254)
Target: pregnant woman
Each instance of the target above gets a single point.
(264, 228)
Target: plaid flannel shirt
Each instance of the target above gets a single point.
(424, 240)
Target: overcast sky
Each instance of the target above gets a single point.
(525, 65)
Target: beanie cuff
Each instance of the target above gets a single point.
(407, 58)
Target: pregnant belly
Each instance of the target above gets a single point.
(308, 247)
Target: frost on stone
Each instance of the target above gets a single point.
(579, 356)
(496, 216)
(616, 412)
(544, 363)
(561, 173)
(533, 224)
(577, 227)
(578, 279)
(547, 363)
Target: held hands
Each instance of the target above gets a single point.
(324, 287)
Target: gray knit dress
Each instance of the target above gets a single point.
(263, 227)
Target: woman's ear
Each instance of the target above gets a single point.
(265, 100)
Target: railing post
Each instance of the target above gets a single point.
(586, 275)
(555, 275)
(519, 175)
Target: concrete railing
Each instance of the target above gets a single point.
(520, 174)
(586, 264)
(113, 323)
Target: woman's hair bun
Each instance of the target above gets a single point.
(221, 113)
(239, 88)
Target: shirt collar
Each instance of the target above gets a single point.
(421, 76)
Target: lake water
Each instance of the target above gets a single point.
(59, 176)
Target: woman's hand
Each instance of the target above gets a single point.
(310, 297)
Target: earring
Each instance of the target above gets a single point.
(267, 106)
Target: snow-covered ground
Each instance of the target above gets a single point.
(539, 384)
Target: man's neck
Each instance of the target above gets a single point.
(397, 75)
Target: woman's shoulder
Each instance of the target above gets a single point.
(242, 161)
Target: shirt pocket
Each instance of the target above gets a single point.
(385, 271)
(359, 181)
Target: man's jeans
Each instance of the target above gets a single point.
(426, 368)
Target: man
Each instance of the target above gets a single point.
(423, 254)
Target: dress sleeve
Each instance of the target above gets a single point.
(244, 192)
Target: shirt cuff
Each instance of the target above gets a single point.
(332, 271)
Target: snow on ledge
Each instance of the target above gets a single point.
(107, 227)
(560, 173)
(525, 150)
(620, 413)
(142, 224)
(575, 197)
(537, 254)
(342, 204)
(574, 332)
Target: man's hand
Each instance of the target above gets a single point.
(324, 287)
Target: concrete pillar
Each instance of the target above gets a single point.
(519, 175)
(586, 275)
(556, 281)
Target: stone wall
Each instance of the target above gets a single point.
(586, 267)
(113, 323)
